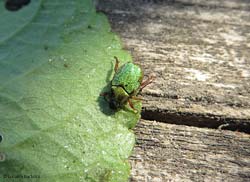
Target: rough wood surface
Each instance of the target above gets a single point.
(169, 153)
(200, 53)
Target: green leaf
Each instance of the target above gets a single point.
(56, 58)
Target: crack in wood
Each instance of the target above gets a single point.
(197, 120)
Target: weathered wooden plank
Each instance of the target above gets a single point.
(232, 4)
(200, 53)
(166, 152)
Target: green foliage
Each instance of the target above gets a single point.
(56, 57)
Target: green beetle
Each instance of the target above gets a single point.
(126, 84)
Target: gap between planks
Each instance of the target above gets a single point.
(198, 120)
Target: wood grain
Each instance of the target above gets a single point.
(169, 153)
(200, 53)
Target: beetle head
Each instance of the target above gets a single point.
(118, 98)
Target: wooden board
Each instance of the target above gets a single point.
(169, 153)
(200, 53)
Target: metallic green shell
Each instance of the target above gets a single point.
(129, 76)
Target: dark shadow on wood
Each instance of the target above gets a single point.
(198, 120)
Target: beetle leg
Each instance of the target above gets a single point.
(149, 80)
(132, 106)
(137, 98)
(116, 63)
(104, 94)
